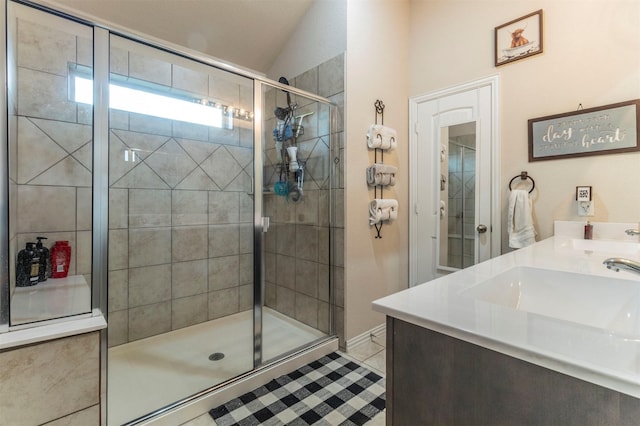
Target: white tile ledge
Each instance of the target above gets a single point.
(43, 333)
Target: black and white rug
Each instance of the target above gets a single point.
(330, 391)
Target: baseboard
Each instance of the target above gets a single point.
(202, 404)
(379, 332)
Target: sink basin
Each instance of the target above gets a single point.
(606, 303)
(606, 246)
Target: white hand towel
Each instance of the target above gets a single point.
(381, 174)
(520, 219)
(381, 137)
(381, 209)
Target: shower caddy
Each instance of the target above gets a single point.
(285, 137)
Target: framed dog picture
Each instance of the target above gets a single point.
(519, 38)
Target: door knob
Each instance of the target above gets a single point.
(481, 229)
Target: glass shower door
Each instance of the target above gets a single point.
(296, 194)
(50, 151)
(180, 228)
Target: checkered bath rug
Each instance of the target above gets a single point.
(330, 391)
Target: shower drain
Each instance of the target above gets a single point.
(216, 356)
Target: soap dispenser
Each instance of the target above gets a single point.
(60, 259)
(28, 266)
(45, 261)
(588, 231)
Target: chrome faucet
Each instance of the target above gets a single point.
(632, 231)
(617, 263)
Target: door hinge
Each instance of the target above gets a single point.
(416, 127)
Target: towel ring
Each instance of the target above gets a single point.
(523, 176)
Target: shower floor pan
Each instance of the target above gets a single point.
(149, 374)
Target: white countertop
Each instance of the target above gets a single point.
(601, 355)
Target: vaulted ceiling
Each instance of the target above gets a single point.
(249, 33)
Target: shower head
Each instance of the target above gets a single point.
(281, 113)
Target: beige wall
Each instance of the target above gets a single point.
(591, 57)
(377, 58)
(320, 35)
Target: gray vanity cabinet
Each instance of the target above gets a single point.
(433, 379)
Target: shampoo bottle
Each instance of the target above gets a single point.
(28, 266)
(45, 260)
(60, 259)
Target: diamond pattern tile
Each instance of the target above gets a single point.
(143, 143)
(69, 136)
(84, 155)
(244, 156)
(141, 176)
(221, 167)
(171, 163)
(118, 167)
(318, 164)
(68, 172)
(198, 180)
(32, 140)
(242, 182)
(197, 150)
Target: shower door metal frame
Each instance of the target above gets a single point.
(100, 230)
(258, 211)
(4, 186)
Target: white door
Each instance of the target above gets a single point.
(454, 147)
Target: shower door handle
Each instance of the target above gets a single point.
(265, 224)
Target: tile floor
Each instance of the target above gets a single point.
(371, 353)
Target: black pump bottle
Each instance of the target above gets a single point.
(45, 260)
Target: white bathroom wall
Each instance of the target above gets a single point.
(320, 36)
(591, 57)
(377, 58)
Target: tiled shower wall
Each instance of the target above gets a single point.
(50, 171)
(181, 213)
(297, 250)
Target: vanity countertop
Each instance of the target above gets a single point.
(581, 319)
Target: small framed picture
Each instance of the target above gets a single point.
(519, 38)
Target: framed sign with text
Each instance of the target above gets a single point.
(607, 129)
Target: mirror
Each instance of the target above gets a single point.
(457, 196)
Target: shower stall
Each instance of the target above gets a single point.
(197, 198)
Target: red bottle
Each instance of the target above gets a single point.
(60, 259)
